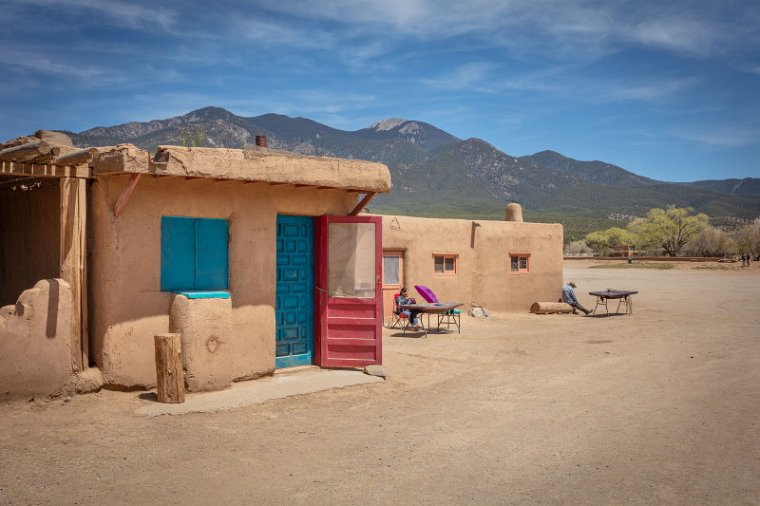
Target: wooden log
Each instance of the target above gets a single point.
(550, 307)
(170, 377)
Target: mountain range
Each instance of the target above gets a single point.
(437, 174)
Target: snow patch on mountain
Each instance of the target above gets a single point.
(387, 124)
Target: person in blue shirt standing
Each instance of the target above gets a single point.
(568, 297)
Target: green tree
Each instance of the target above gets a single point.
(710, 242)
(748, 239)
(604, 241)
(597, 241)
(668, 229)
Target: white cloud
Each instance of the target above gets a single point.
(42, 65)
(121, 13)
(649, 91)
(469, 75)
(579, 27)
(723, 136)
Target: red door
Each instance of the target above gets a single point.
(349, 291)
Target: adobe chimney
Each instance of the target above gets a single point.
(513, 212)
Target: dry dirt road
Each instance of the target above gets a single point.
(661, 407)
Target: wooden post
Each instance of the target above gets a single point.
(169, 374)
(73, 255)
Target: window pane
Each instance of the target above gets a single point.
(449, 264)
(523, 263)
(438, 264)
(390, 270)
(351, 262)
(515, 264)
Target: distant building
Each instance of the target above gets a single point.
(500, 265)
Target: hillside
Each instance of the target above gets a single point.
(437, 174)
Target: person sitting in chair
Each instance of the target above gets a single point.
(414, 316)
(568, 297)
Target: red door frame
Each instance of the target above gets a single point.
(348, 330)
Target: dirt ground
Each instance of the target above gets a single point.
(661, 407)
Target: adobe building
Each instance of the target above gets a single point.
(504, 266)
(258, 257)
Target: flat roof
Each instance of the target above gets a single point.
(42, 156)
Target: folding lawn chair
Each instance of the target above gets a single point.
(401, 319)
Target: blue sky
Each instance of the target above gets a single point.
(666, 89)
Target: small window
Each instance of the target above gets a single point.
(445, 264)
(193, 254)
(519, 262)
(391, 264)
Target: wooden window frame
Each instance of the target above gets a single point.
(519, 256)
(445, 256)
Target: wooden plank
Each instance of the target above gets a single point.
(124, 197)
(361, 205)
(43, 170)
(170, 377)
(73, 254)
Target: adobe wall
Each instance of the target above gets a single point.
(35, 341)
(127, 305)
(30, 245)
(483, 268)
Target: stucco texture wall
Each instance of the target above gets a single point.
(29, 249)
(127, 304)
(208, 346)
(35, 341)
(483, 274)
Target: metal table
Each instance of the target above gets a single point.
(439, 308)
(624, 297)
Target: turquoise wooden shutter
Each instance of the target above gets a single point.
(194, 253)
(177, 253)
(211, 254)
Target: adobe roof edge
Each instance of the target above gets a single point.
(251, 165)
(272, 166)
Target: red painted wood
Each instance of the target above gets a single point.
(348, 331)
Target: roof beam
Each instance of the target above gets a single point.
(43, 170)
(124, 197)
(361, 205)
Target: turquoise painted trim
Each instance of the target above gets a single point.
(205, 295)
(292, 361)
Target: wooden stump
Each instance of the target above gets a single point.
(550, 307)
(169, 374)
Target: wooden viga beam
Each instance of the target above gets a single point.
(363, 203)
(126, 194)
